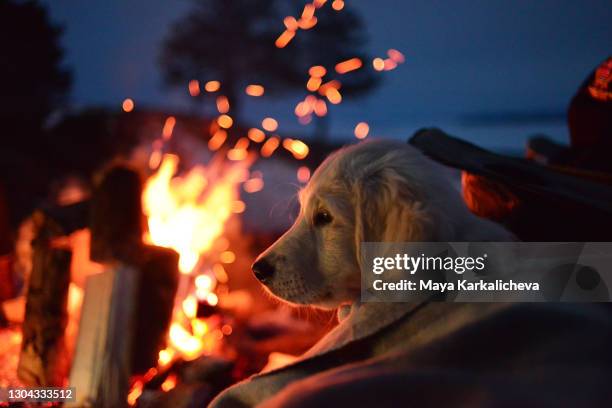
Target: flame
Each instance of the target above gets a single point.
(186, 213)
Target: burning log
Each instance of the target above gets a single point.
(158, 285)
(43, 360)
(116, 222)
(117, 218)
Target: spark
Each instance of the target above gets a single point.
(317, 71)
(308, 11)
(252, 186)
(168, 127)
(313, 84)
(223, 105)
(284, 39)
(291, 23)
(361, 130)
(320, 108)
(303, 174)
(390, 64)
(255, 90)
(227, 257)
(194, 87)
(225, 121)
(307, 24)
(378, 64)
(217, 140)
(338, 5)
(256, 135)
(396, 56)
(212, 86)
(270, 146)
(333, 95)
(269, 124)
(128, 105)
(348, 65)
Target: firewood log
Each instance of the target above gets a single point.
(116, 217)
(158, 284)
(43, 360)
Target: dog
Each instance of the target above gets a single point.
(377, 190)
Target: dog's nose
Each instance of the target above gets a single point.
(263, 270)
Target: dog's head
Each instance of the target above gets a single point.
(373, 191)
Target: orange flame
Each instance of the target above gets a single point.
(188, 213)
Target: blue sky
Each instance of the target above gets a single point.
(464, 58)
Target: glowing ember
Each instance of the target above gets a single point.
(378, 64)
(168, 127)
(255, 90)
(284, 38)
(212, 86)
(269, 124)
(390, 64)
(256, 135)
(298, 148)
(396, 56)
(270, 146)
(170, 383)
(320, 108)
(317, 71)
(194, 87)
(217, 140)
(338, 5)
(348, 65)
(128, 105)
(333, 95)
(225, 121)
(252, 186)
(308, 11)
(223, 105)
(290, 23)
(361, 130)
(307, 24)
(313, 84)
(303, 174)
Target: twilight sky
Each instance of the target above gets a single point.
(465, 59)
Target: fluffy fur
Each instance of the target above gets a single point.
(382, 190)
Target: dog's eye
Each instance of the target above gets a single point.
(322, 217)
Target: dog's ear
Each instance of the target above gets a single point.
(389, 208)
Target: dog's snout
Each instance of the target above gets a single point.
(263, 270)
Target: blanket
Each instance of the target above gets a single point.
(447, 354)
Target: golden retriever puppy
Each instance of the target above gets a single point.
(382, 190)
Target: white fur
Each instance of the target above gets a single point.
(384, 191)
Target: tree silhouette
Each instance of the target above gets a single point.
(33, 83)
(233, 41)
(32, 79)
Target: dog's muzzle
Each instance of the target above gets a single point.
(263, 270)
